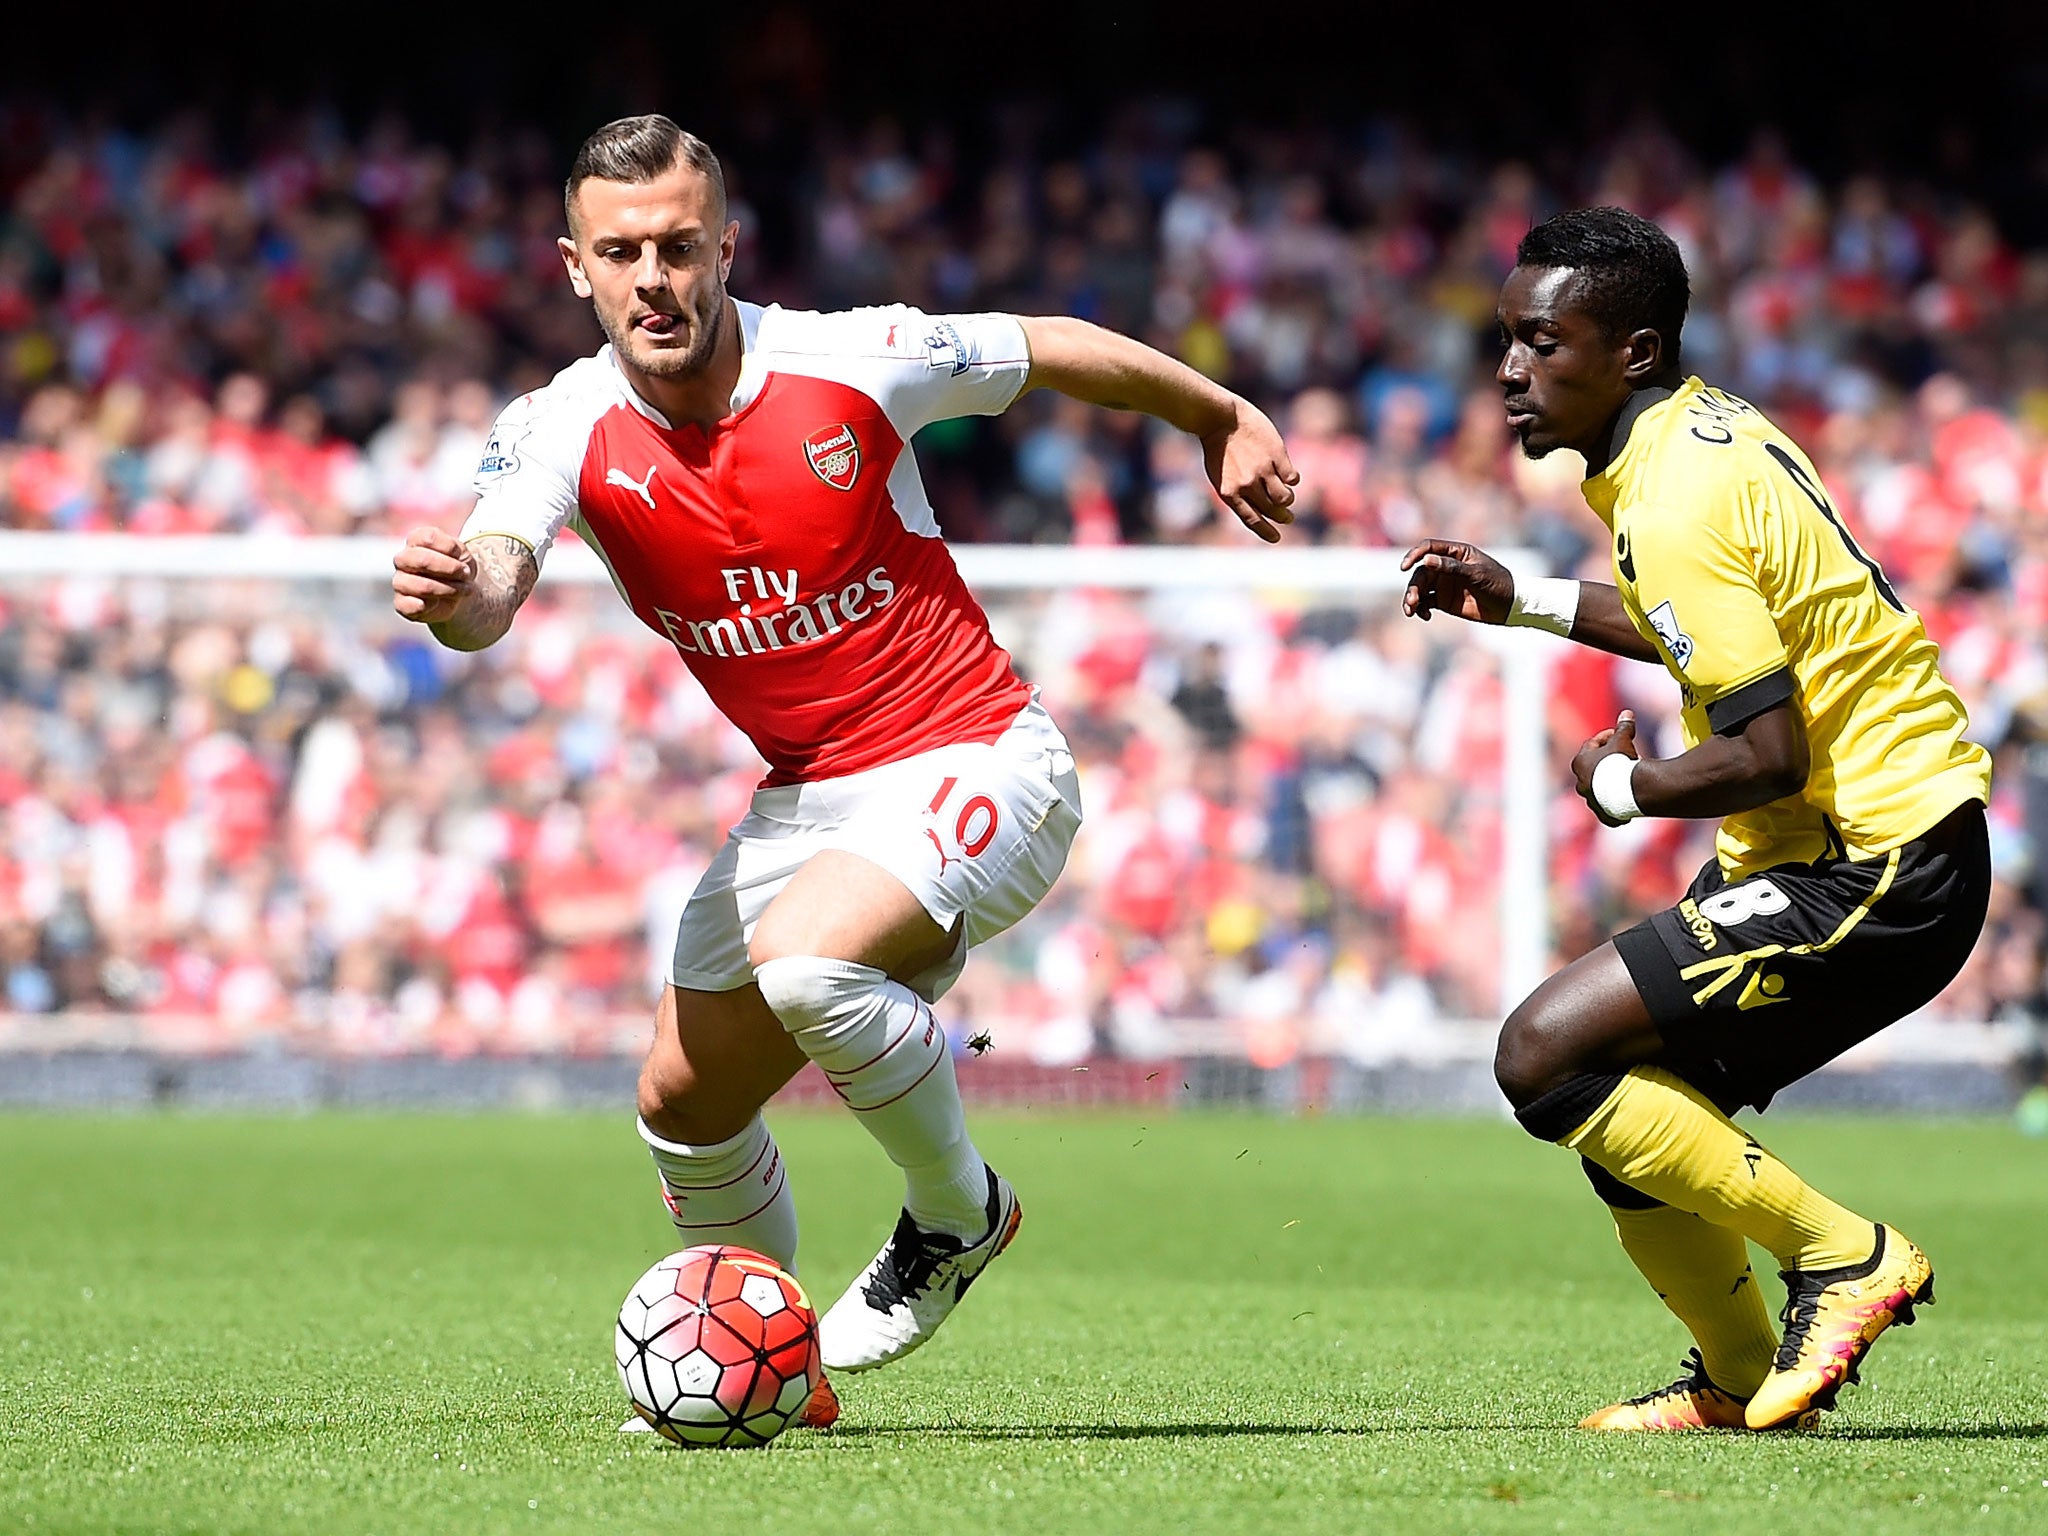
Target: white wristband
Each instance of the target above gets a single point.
(1546, 602)
(1613, 790)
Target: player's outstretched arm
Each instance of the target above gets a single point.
(465, 593)
(1463, 580)
(1242, 450)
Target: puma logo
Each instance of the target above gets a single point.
(941, 847)
(637, 487)
(1752, 1155)
(1745, 1277)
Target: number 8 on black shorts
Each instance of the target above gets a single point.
(1755, 984)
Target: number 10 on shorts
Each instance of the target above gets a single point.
(974, 827)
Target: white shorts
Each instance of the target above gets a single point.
(977, 832)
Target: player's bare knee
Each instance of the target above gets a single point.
(675, 1105)
(1530, 1058)
(663, 1091)
(676, 1109)
(1510, 1067)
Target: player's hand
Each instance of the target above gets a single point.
(1459, 579)
(1621, 738)
(431, 576)
(1248, 464)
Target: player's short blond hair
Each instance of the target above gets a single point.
(638, 149)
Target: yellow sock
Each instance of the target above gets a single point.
(1663, 1137)
(1702, 1273)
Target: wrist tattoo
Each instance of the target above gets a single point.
(505, 573)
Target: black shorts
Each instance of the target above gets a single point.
(1755, 984)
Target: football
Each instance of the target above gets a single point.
(718, 1346)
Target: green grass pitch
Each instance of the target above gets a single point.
(1208, 1323)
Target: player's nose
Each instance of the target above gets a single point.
(650, 276)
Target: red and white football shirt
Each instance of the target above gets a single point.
(790, 554)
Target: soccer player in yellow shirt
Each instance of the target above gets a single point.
(1851, 869)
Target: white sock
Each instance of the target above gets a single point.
(883, 1052)
(733, 1192)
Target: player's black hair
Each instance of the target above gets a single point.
(634, 149)
(1631, 276)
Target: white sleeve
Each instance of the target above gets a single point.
(526, 482)
(952, 365)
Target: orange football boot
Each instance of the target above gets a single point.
(1831, 1318)
(1691, 1402)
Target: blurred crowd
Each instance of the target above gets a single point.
(285, 816)
(260, 810)
(312, 328)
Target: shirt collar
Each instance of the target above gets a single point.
(1603, 491)
(753, 363)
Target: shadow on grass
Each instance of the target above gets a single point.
(1939, 1432)
(1030, 1432)
(1157, 1431)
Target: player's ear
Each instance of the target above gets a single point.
(574, 263)
(1645, 356)
(728, 243)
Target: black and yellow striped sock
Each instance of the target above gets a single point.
(1658, 1134)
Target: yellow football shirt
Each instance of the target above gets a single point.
(1733, 562)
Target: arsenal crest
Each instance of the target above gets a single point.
(834, 455)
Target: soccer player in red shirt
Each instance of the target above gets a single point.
(744, 473)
